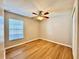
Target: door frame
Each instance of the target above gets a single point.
(75, 29)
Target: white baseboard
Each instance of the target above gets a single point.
(37, 39)
(20, 43)
(57, 42)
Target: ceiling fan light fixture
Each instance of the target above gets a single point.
(40, 18)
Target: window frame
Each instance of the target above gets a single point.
(2, 29)
(9, 29)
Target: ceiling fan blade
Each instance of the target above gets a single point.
(34, 13)
(46, 13)
(45, 16)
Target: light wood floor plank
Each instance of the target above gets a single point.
(40, 49)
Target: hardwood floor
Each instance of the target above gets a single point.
(39, 49)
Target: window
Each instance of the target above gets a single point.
(16, 29)
(1, 27)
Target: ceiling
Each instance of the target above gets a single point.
(26, 7)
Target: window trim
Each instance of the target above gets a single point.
(21, 29)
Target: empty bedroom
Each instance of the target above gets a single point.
(40, 29)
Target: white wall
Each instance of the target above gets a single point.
(58, 28)
(31, 29)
